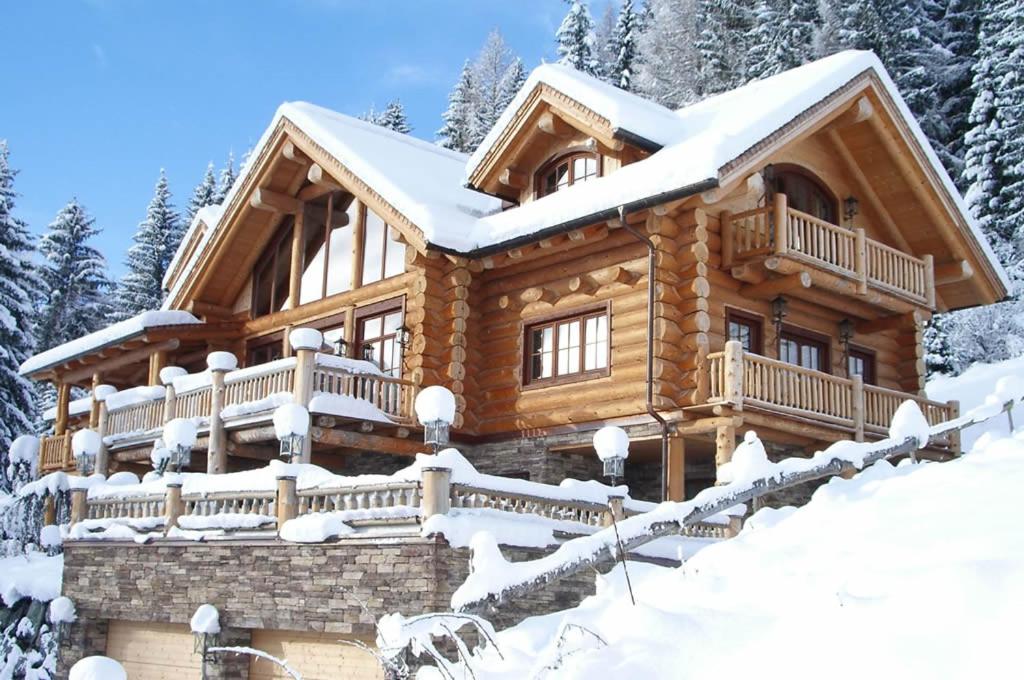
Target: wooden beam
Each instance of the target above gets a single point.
(318, 176)
(553, 125)
(289, 151)
(772, 287)
(127, 359)
(895, 322)
(267, 199)
(365, 442)
(859, 112)
(298, 259)
(318, 213)
(953, 272)
(514, 179)
(205, 309)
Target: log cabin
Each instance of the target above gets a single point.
(765, 259)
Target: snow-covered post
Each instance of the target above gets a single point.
(79, 500)
(167, 376)
(954, 437)
(287, 504)
(173, 507)
(612, 446)
(615, 511)
(180, 435)
(219, 363)
(306, 342)
(96, 667)
(437, 485)
(99, 395)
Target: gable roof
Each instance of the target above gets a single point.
(425, 183)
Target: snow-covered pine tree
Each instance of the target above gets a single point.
(156, 240)
(766, 38)
(510, 84)
(393, 117)
(622, 72)
(723, 29)
(19, 286)
(604, 47)
(490, 70)
(457, 131)
(575, 38)
(226, 180)
(668, 59)
(74, 279)
(938, 354)
(371, 115)
(204, 194)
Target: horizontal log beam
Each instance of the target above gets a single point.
(773, 287)
(909, 321)
(267, 199)
(953, 272)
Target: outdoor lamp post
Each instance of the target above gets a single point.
(612, 446)
(180, 436)
(85, 446)
(160, 456)
(435, 410)
(205, 625)
(291, 426)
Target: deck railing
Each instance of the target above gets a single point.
(846, 253)
(55, 452)
(744, 379)
(392, 396)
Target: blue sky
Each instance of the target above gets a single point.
(98, 95)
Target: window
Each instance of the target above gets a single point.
(383, 257)
(328, 249)
(804, 350)
(265, 349)
(566, 171)
(804, 192)
(270, 276)
(378, 336)
(569, 347)
(747, 329)
(861, 362)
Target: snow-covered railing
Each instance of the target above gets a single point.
(136, 507)
(359, 497)
(392, 396)
(55, 452)
(252, 384)
(229, 503)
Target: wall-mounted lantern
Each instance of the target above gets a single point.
(403, 337)
(845, 336)
(851, 206)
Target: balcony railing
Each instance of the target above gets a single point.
(744, 379)
(846, 253)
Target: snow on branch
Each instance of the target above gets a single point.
(493, 579)
(283, 665)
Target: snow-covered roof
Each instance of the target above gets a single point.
(208, 215)
(118, 332)
(425, 183)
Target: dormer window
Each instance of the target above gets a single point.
(567, 170)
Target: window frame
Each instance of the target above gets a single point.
(386, 243)
(529, 382)
(870, 358)
(568, 156)
(755, 321)
(253, 345)
(780, 170)
(372, 311)
(270, 260)
(807, 337)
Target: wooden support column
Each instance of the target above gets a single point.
(676, 468)
(306, 342)
(728, 238)
(79, 507)
(860, 261)
(173, 507)
(358, 244)
(157, 361)
(732, 388)
(929, 280)
(436, 491)
(858, 407)
(219, 363)
(725, 443)
(781, 214)
(60, 423)
(298, 253)
(94, 408)
(287, 501)
(954, 436)
(103, 455)
(49, 511)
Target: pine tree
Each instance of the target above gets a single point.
(457, 131)
(19, 285)
(766, 40)
(156, 240)
(490, 71)
(371, 115)
(575, 39)
(393, 117)
(959, 22)
(604, 43)
(74, 279)
(938, 354)
(204, 194)
(226, 180)
(723, 27)
(667, 53)
(621, 73)
(510, 84)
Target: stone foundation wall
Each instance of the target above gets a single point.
(532, 459)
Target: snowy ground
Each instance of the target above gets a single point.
(914, 571)
(971, 387)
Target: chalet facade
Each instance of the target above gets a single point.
(765, 258)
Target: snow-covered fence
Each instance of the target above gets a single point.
(228, 503)
(133, 507)
(360, 497)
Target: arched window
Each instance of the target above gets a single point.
(805, 192)
(567, 170)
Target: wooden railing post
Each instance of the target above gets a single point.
(167, 376)
(94, 408)
(781, 208)
(306, 342)
(103, 455)
(929, 280)
(728, 238)
(615, 511)
(437, 483)
(732, 390)
(858, 408)
(173, 507)
(219, 363)
(954, 436)
(287, 504)
(79, 504)
(860, 260)
(60, 422)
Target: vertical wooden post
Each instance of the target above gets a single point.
(306, 342)
(350, 331)
(860, 260)
(929, 280)
(615, 511)
(103, 455)
(170, 399)
(728, 238)
(436, 492)
(60, 422)
(676, 468)
(79, 500)
(219, 363)
(781, 213)
(954, 436)
(173, 507)
(94, 409)
(157, 361)
(725, 443)
(49, 511)
(858, 408)
(287, 504)
(732, 389)
(298, 253)
(358, 243)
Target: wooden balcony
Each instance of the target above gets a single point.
(744, 380)
(243, 399)
(787, 241)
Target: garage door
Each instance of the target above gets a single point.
(153, 651)
(316, 656)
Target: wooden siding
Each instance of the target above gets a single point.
(153, 651)
(315, 656)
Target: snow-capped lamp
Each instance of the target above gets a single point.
(180, 436)
(205, 625)
(291, 426)
(62, 615)
(85, 446)
(435, 409)
(612, 446)
(160, 456)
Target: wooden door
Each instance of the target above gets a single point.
(316, 656)
(153, 651)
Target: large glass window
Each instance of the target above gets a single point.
(378, 337)
(803, 350)
(566, 171)
(861, 362)
(330, 246)
(383, 257)
(570, 347)
(270, 275)
(747, 329)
